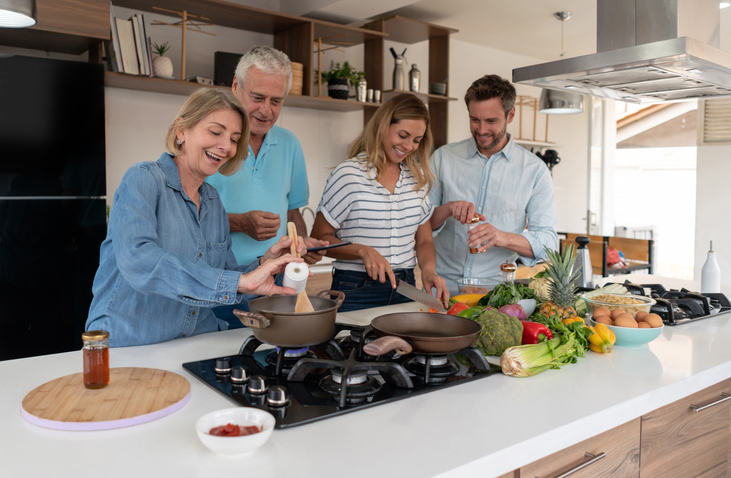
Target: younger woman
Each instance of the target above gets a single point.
(378, 200)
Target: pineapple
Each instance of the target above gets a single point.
(562, 283)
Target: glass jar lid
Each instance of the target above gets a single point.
(475, 219)
(95, 335)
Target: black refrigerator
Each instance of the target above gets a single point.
(52, 201)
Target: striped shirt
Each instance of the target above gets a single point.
(363, 211)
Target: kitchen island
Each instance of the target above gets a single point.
(484, 428)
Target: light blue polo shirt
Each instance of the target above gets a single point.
(275, 181)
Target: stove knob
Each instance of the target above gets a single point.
(277, 396)
(257, 385)
(239, 375)
(223, 365)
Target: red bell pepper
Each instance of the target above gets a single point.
(532, 332)
(457, 308)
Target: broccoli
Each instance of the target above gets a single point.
(499, 331)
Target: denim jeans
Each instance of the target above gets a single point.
(362, 292)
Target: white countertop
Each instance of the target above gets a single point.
(483, 428)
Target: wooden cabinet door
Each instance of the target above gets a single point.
(621, 448)
(678, 442)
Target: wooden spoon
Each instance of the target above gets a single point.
(303, 303)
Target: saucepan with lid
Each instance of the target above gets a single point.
(274, 321)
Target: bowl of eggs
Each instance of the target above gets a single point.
(630, 330)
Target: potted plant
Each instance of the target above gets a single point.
(339, 79)
(162, 65)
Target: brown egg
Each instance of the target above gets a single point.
(604, 319)
(617, 312)
(601, 311)
(654, 320)
(644, 325)
(625, 321)
(641, 316)
(625, 315)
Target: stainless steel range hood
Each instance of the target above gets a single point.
(649, 51)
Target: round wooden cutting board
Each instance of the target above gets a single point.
(133, 396)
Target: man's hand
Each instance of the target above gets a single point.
(463, 211)
(314, 257)
(260, 225)
(487, 233)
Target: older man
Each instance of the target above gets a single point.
(508, 187)
(271, 185)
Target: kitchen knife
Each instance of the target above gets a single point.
(408, 290)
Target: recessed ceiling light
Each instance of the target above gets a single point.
(572, 87)
(724, 4)
(695, 70)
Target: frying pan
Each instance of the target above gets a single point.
(422, 332)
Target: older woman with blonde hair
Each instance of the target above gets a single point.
(378, 200)
(167, 257)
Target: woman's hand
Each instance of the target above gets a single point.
(377, 266)
(281, 247)
(431, 280)
(260, 281)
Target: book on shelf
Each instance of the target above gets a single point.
(127, 46)
(137, 30)
(113, 52)
(146, 45)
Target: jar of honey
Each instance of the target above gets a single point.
(96, 358)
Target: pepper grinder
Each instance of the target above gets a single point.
(711, 274)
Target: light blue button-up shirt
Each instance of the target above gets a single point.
(163, 264)
(513, 190)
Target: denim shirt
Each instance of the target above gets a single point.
(513, 189)
(163, 265)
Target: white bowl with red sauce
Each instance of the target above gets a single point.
(233, 441)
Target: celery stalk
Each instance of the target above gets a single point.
(528, 360)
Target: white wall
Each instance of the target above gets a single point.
(713, 202)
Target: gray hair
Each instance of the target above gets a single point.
(269, 60)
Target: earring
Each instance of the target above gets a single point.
(180, 141)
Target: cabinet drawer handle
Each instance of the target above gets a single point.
(697, 409)
(591, 459)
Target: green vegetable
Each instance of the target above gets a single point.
(528, 360)
(472, 311)
(499, 332)
(505, 294)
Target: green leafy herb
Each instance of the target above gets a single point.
(504, 294)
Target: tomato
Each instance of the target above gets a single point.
(457, 308)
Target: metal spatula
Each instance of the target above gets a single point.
(303, 302)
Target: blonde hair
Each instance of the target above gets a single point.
(197, 106)
(401, 107)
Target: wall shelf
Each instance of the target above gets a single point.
(536, 144)
(180, 87)
(426, 97)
